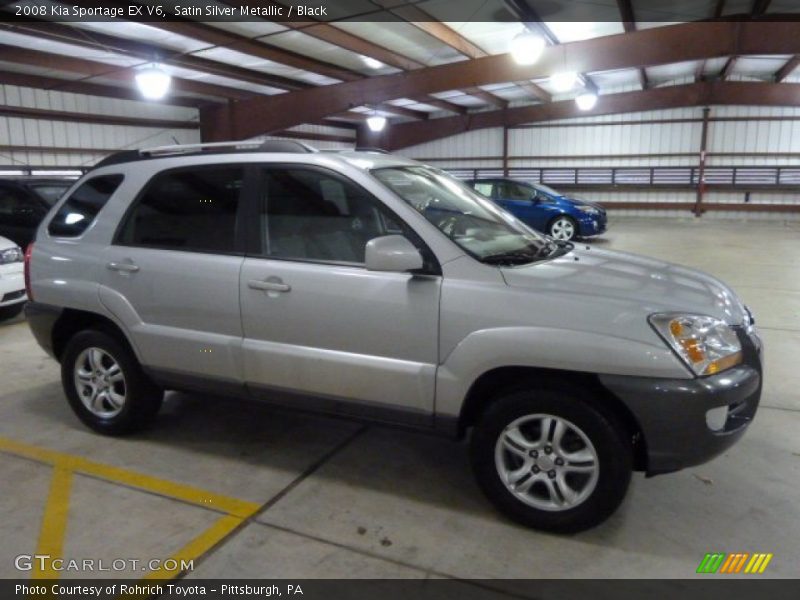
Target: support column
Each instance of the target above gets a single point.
(505, 151)
(701, 171)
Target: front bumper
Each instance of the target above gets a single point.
(672, 413)
(589, 225)
(12, 285)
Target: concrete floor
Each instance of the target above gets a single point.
(329, 498)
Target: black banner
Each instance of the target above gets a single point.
(311, 11)
(731, 588)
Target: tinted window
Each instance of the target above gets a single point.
(310, 215)
(12, 204)
(50, 192)
(81, 208)
(189, 209)
(509, 190)
(484, 188)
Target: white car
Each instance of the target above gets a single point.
(12, 280)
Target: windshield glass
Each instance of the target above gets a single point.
(473, 222)
(546, 189)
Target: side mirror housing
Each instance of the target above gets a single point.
(392, 253)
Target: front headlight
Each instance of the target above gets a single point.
(11, 255)
(707, 345)
(589, 210)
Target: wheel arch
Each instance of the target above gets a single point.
(72, 321)
(504, 379)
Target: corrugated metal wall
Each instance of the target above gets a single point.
(45, 133)
(629, 134)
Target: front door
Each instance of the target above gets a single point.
(317, 324)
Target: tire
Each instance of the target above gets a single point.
(124, 404)
(9, 312)
(563, 228)
(572, 501)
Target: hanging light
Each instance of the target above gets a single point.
(372, 63)
(564, 81)
(526, 48)
(586, 101)
(153, 82)
(376, 123)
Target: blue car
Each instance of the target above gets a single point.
(543, 208)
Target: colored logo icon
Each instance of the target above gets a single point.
(736, 562)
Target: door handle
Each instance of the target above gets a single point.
(269, 286)
(123, 267)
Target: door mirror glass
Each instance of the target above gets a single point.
(392, 253)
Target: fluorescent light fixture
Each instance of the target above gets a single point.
(372, 63)
(153, 83)
(586, 101)
(65, 173)
(564, 82)
(526, 48)
(376, 123)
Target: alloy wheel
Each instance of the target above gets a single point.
(547, 462)
(100, 382)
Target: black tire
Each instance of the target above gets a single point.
(9, 312)
(142, 398)
(551, 232)
(613, 450)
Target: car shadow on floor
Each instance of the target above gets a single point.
(422, 467)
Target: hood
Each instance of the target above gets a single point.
(627, 283)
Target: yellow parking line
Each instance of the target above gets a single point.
(54, 524)
(177, 491)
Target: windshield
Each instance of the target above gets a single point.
(546, 189)
(473, 222)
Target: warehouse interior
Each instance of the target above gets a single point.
(682, 119)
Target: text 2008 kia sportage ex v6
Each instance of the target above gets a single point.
(373, 286)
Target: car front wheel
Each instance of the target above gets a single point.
(550, 460)
(563, 228)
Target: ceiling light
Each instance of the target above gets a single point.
(372, 63)
(153, 83)
(563, 82)
(586, 101)
(376, 123)
(526, 48)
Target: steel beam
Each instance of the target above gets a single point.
(650, 47)
(678, 96)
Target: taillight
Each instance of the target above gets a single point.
(28, 253)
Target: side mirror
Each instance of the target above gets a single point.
(392, 253)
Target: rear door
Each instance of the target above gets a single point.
(172, 272)
(319, 328)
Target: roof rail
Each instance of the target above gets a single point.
(251, 145)
(125, 156)
(368, 149)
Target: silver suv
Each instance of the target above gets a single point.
(368, 285)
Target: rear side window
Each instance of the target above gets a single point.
(81, 208)
(483, 188)
(188, 209)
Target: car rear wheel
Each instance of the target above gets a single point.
(550, 460)
(105, 385)
(563, 228)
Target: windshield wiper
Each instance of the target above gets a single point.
(510, 258)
